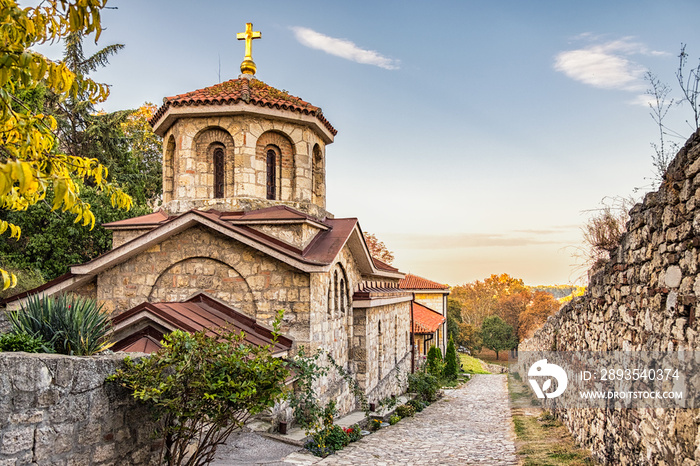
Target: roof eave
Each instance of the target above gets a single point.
(173, 112)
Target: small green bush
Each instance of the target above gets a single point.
(375, 425)
(394, 419)
(69, 324)
(405, 410)
(12, 342)
(203, 388)
(425, 385)
(418, 405)
(354, 432)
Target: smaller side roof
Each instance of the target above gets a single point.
(425, 320)
(200, 312)
(414, 282)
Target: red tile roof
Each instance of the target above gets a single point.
(425, 320)
(198, 313)
(323, 249)
(252, 92)
(414, 282)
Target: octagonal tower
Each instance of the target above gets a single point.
(242, 145)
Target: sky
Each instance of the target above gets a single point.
(474, 137)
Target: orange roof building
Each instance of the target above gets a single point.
(429, 312)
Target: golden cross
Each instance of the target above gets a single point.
(248, 66)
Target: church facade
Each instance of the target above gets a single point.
(244, 223)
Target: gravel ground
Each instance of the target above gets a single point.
(248, 448)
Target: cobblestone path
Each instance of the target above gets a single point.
(468, 426)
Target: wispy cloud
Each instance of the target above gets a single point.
(343, 48)
(606, 65)
(476, 240)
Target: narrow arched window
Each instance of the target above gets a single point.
(219, 173)
(271, 174)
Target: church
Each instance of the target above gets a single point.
(244, 232)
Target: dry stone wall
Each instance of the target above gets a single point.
(58, 410)
(643, 299)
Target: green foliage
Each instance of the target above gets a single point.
(52, 241)
(497, 335)
(434, 363)
(394, 419)
(27, 278)
(354, 432)
(417, 404)
(375, 424)
(32, 161)
(23, 342)
(331, 438)
(69, 324)
(405, 410)
(451, 365)
(424, 385)
(303, 400)
(203, 388)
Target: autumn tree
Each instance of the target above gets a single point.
(378, 249)
(497, 295)
(535, 315)
(31, 163)
(497, 335)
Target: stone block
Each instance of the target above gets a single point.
(17, 440)
(52, 441)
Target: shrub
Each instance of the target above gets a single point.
(394, 419)
(354, 432)
(418, 405)
(425, 385)
(69, 324)
(451, 364)
(406, 410)
(23, 342)
(375, 425)
(434, 362)
(203, 388)
(336, 438)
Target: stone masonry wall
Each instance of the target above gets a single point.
(199, 260)
(643, 299)
(186, 170)
(57, 410)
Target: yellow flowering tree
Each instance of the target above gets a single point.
(30, 162)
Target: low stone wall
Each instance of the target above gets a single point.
(58, 410)
(643, 299)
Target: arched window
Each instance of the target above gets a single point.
(271, 174)
(219, 173)
(337, 292)
(330, 298)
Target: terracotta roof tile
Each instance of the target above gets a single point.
(425, 320)
(414, 282)
(253, 92)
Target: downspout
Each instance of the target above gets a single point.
(425, 343)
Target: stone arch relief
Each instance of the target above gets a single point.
(206, 145)
(192, 275)
(285, 169)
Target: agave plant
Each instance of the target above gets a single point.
(70, 324)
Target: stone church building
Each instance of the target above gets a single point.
(244, 232)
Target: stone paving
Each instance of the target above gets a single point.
(468, 426)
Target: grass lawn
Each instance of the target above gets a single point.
(471, 365)
(541, 439)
